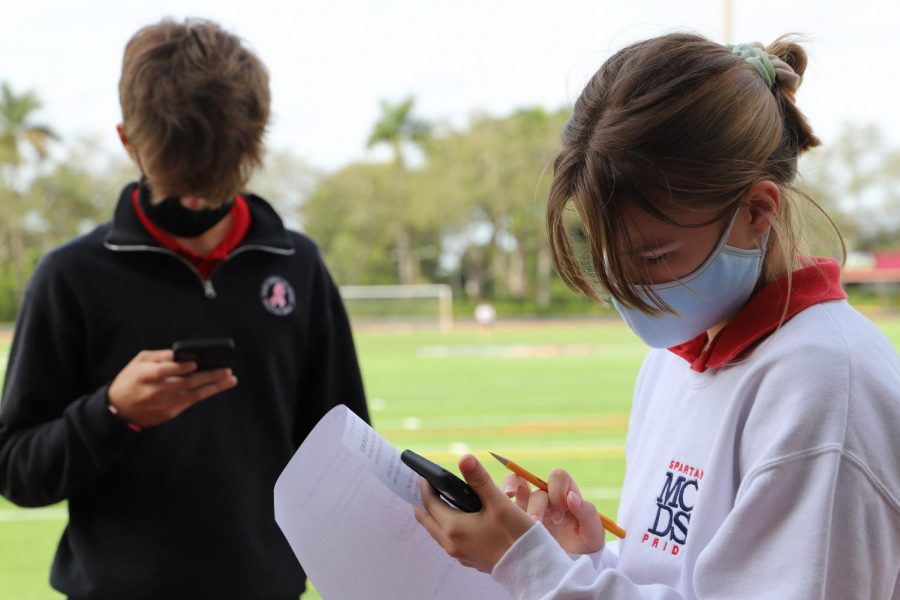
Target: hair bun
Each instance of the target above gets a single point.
(793, 60)
(788, 51)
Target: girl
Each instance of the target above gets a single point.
(760, 453)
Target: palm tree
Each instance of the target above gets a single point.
(397, 127)
(17, 129)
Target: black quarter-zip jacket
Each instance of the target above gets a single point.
(183, 509)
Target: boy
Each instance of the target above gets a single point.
(168, 470)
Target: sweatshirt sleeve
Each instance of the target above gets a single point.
(56, 437)
(535, 566)
(813, 524)
(331, 373)
(790, 535)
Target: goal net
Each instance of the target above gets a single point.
(407, 304)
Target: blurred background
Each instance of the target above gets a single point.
(414, 143)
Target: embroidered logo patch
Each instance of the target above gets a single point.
(673, 508)
(277, 296)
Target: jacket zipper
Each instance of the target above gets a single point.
(208, 289)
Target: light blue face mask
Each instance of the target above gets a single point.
(711, 294)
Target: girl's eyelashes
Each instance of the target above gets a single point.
(653, 260)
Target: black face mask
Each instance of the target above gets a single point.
(172, 217)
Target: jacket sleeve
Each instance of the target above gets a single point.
(56, 437)
(331, 371)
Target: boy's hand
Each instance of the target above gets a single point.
(479, 539)
(153, 388)
(574, 523)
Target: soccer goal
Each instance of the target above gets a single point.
(414, 303)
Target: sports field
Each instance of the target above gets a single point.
(543, 394)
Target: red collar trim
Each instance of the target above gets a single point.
(816, 283)
(240, 214)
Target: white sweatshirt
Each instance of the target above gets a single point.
(774, 478)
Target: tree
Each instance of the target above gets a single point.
(349, 219)
(856, 179)
(398, 128)
(76, 193)
(285, 181)
(17, 131)
(17, 127)
(497, 172)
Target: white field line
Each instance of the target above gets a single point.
(530, 351)
(500, 420)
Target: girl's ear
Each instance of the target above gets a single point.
(763, 201)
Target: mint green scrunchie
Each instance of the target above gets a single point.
(759, 59)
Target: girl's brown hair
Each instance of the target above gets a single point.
(676, 121)
(195, 104)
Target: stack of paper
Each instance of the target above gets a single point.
(344, 503)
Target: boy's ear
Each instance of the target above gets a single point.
(120, 128)
(763, 200)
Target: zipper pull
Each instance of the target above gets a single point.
(208, 289)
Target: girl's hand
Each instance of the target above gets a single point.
(153, 388)
(573, 522)
(479, 539)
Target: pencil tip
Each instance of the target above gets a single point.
(498, 457)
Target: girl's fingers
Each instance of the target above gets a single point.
(537, 505)
(522, 496)
(559, 484)
(586, 515)
(510, 485)
(431, 526)
(479, 479)
(436, 508)
(517, 488)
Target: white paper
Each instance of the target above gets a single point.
(344, 503)
(368, 446)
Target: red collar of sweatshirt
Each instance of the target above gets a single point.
(763, 314)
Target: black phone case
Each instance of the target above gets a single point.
(212, 353)
(450, 487)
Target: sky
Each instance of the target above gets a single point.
(332, 62)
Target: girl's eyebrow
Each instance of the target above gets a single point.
(652, 247)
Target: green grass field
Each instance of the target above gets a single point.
(543, 394)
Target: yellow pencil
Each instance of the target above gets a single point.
(608, 524)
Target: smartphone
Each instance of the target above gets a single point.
(211, 353)
(450, 487)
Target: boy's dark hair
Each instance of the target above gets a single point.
(195, 104)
